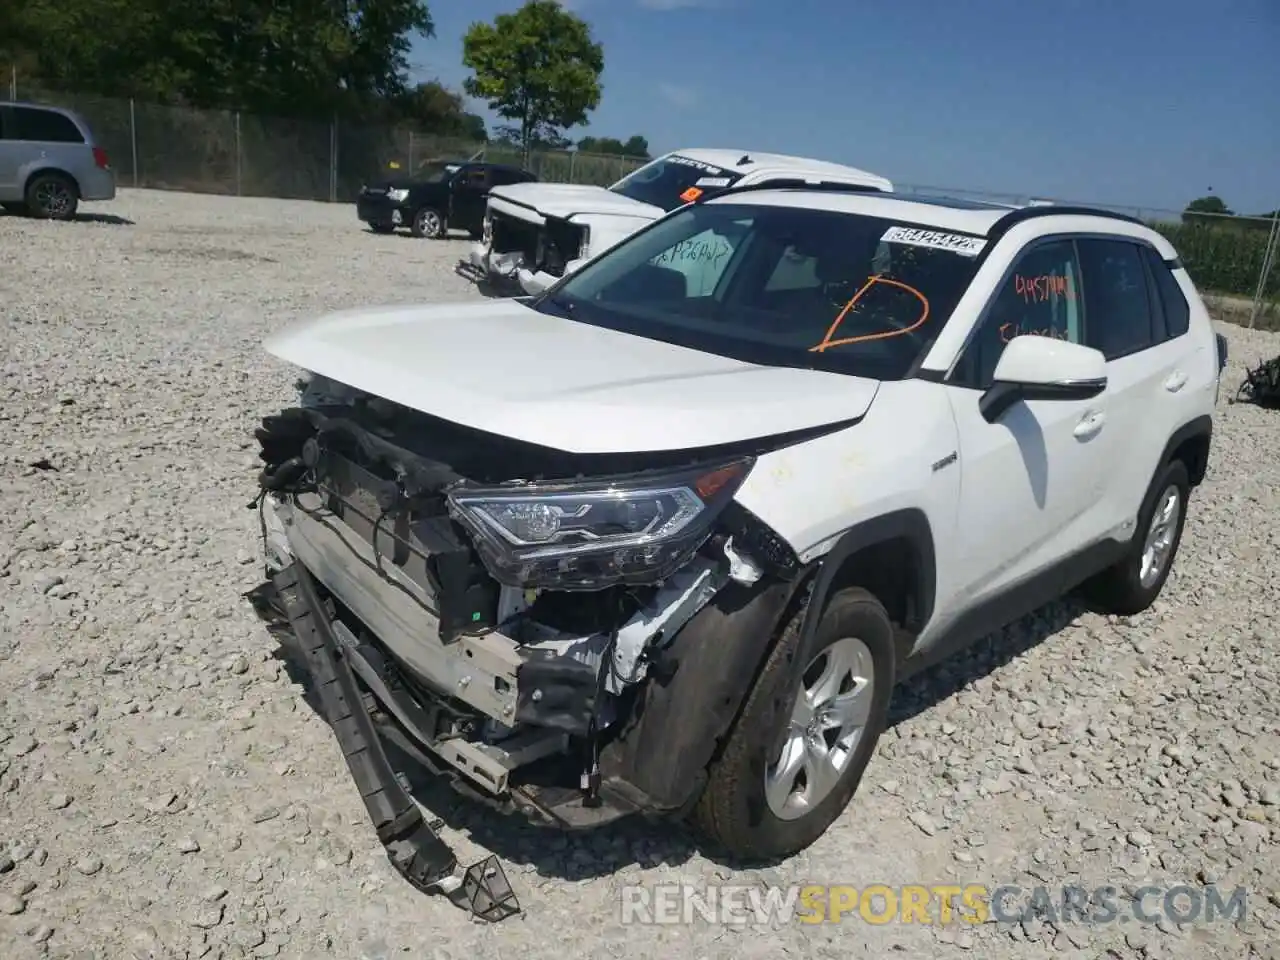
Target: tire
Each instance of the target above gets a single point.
(1121, 589)
(735, 809)
(382, 227)
(428, 223)
(52, 196)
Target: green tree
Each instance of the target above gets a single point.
(434, 108)
(269, 56)
(1206, 210)
(636, 146)
(473, 128)
(538, 67)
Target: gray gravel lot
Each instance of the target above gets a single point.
(165, 791)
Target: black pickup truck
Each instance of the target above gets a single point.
(438, 198)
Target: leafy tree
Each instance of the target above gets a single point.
(473, 128)
(268, 56)
(537, 67)
(434, 108)
(547, 140)
(1206, 210)
(636, 146)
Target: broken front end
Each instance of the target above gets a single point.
(523, 255)
(566, 636)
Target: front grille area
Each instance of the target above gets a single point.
(511, 235)
(545, 247)
(388, 495)
(371, 508)
(563, 240)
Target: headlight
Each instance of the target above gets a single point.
(589, 535)
(398, 195)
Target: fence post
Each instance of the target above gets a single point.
(1268, 261)
(573, 166)
(238, 181)
(133, 140)
(333, 160)
(411, 167)
(13, 82)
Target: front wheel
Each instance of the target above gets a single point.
(427, 223)
(52, 196)
(761, 803)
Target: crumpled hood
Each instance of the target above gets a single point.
(563, 200)
(504, 368)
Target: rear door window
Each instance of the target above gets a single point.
(43, 126)
(1116, 297)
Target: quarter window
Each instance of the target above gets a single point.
(44, 126)
(1116, 297)
(1177, 312)
(1040, 296)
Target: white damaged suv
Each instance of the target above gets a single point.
(534, 233)
(637, 545)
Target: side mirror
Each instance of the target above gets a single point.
(1043, 368)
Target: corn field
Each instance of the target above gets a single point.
(1226, 257)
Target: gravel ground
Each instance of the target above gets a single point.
(165, 791)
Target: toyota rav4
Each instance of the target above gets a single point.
(636, 545)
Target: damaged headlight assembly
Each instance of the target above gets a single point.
(591, 534)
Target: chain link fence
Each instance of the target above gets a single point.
(228, 152)
(244, 154)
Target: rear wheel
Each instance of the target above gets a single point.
(52, 196)
(1132, 585)
(427, 223)
(765, 803)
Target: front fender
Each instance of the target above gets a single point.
(910, 524)
(693, 696)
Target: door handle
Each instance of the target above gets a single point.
(1089, 425)
(1177, 380)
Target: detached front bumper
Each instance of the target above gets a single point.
(412, 844)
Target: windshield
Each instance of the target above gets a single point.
(434, 172)
(673, 181)
(778, 286)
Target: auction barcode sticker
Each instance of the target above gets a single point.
(936, 239)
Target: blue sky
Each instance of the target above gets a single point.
(1142, 102)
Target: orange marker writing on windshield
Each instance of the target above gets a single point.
(845, 341)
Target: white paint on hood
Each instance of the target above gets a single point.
(506, 369)
(564, 200)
